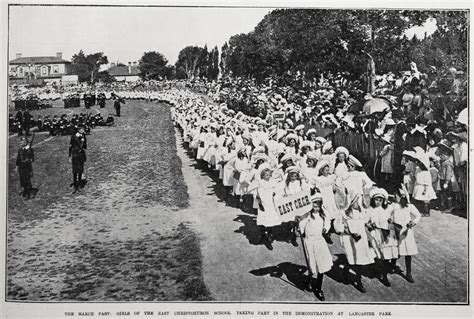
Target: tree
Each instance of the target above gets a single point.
(213, 68)
(153, 66)
(191, 61)
(87, 67)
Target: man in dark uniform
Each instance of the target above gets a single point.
(77, 155)
(19, 121)
(24, 165)
(117, 102)
(27, 121)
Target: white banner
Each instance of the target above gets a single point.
(294, 205)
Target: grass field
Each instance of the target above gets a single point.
(118, 238)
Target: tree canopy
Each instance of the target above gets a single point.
(313, 41)
(87, 66)
(194, 61)
(154, 66)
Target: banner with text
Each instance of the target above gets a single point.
(294, 205)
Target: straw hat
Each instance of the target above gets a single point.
(354, 161)
(342, 149)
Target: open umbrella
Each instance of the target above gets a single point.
(375, 105)
(462, 117)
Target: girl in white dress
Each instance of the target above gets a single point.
(325, 184)
(356, 181)
(382, 233)
(291, 144)
(312, 228)
(423, 191)
(293, 184)
(241, 169)
(341, 161)
(351, 227)
(267, 216)
(309, 171)
(406, 217)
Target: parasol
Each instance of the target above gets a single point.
(462, 117)
(375, 105)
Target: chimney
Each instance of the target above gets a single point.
(112, 64)
(59, 55)
(129, 67)
(18, 55)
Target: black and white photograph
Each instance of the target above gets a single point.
(214, 154)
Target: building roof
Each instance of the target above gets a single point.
(123, 70)
(39, 60)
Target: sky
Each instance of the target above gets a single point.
(125, 33)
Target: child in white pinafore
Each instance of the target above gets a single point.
(351, 227)
(382, 233)
(406, 216)
(312, 227)
(267, 216)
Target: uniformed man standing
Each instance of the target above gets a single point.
(77, 156)
(117, 102)
(24, 165)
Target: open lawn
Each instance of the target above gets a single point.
(119, 237)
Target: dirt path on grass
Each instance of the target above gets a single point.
(237, 268)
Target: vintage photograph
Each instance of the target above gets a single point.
(237, 154)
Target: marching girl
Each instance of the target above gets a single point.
(253, 177)
(293, 184)
(318, 146)
(328, 155)
(299, 130)
(325, 183)
(356, 181)
(291, 144)
(305, 149)
(227, 163)
(309, 171)
(202, 144)
(341, 161)
(311, 137)
(286, 160)
(382, 233)
(246, 143)
(209, 154)
(241, 167)
(351, 227)
(312, 228)
(267, 216)
(406, 216)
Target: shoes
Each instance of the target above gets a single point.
(264, 239)
(294, 242)
(320, 295)
(385, 282)
(410, 279)
(360, 287)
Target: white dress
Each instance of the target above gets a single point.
(325, 184)
(341, 169)
(202, 145)
(357, 183)
(357, 252)
(240, 185)
(385, 247)
(402, 216)
(317, 250)
(228, 170)
(422, 181)
(267, 217)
